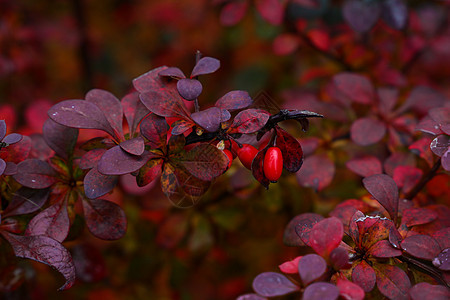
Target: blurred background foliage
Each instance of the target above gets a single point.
(59, 49)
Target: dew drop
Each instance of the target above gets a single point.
(32, 180)
(436, 262)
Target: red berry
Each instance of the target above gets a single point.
(246, 155)
(273, 164)
(230, 157)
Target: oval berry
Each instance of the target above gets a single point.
(273, 164)
(246, 155)
(230, 157)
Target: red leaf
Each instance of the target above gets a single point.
(104, 219)
(355, 87)
(373, 229)
(385, 191)
(271, 284)
(258, 168)
(291, 150)
(317, 172)
(421, 147)
(91, 158)
(353, 227)
(97, 184)
(443, 237)
(421, 246)
(384, 249)
(426, 291)
(172, 230)
(234, 100)
(205, 162)
(52, 222)
(150, 171)
(311, 267)
(418, 216)
(361, 16)
(45, 250)
(165, 102)
(364, 276)
(172, 72)
(326, 235)
(345, 210)
(154, 129)
(233, 12)
(290, 267)
(388, 98)
(321, 291)
(365, 166)
(367, 131)
(300, 226)
(115, 161)
(398, 159)
(339, 258)
(80, 114)
(320, 39)
(285, 44)
(349, 290)
(36, 174)
(271, 10)
(407, 177)
(392, 282)
(111, 108)
(250, 120)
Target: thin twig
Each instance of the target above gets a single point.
(423, 181)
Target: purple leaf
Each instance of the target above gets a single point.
(233, 12)
(91, 158)
(134, 111)
(298, 229)
(355, 87)
(445, 160)
(26, 201)
(234, 100)
(97, 184)
(11, 168)
(365, 166)
(205, 162)
(52, 222)
(383, 188)
(250, 120)
(189, 89)
(361, 16)
(36, 174)
(257, 168)
(321, 291)
(150, 80)
(12, 138)
(384, 249)
(426, 291)
(154, 129)
(40, 148)
(250, 297)
(225, 115)
(367, 131)
(388, 97)
(80, 114)
(172, 72)
(392, 282)
(311, 267)
(440, 144)
(150, 171)
(209, 119)
(2, 129)
(206, 65)
(2, 166)
(45, 250)
(164, 103)
(271, 284)
(317, 172)
(61, 139)
(395, 13)
(442, 261)
(115, 161)
(105, 219)
(111, 108)
(134, 146)
(339, 258)
(421, 246)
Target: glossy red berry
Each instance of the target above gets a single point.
(246, 155)
(230, 157)
(273, 164)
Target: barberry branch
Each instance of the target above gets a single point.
(423, 181)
